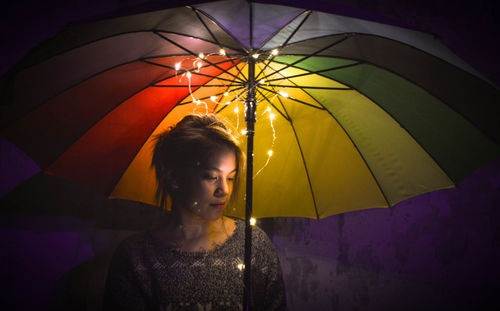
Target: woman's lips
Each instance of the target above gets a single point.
(219, 205)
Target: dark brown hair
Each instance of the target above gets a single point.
(191, 143)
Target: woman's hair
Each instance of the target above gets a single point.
(189, 144)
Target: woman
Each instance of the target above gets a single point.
(194, 260)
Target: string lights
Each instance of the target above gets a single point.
(197, 65)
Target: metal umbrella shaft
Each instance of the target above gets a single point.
(250, 109)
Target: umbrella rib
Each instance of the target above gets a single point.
(311, 72)
(149, 60)
(193, 85)
(194, 37)
(323, 108)
(303, 159)
(184, 71)
(207, 97)
(362, 157)
(311, 87)
(192, 53)
(294, 99)
(211, 34)
(270, 103)
(298, 27)
(230, 91)
(237, 96)
(233, 90)
(265, 66)
(222, 27)
(312, 54)
(284, 26)
(215, 108)
(288, 39)
(250, 24)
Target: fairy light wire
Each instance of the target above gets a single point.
(197, 65)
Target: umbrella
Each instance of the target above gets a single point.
(349, 114)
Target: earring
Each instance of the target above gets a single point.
(195, 204)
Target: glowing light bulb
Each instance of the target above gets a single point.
(284, 94)
(226, 93)
(243, 132)
(262, 81)
(241, 267)
(201, 56)
(198, 64)
(177, 66)
(272, 116)
(222, 52)
(253, 221)
(189, 75)
(270, 153)
(268, 109)
(255, 55)
(213, 98)
(236, 110)
(274, 52)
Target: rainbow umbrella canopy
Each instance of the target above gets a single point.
(349, 114)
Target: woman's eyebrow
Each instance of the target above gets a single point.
(218, 170)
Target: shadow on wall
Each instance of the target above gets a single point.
(436, 251)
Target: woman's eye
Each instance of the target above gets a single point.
(210, 177)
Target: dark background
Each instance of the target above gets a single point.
(436, 251)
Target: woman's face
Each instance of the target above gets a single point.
(209, 187)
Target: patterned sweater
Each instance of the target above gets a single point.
(145, 274)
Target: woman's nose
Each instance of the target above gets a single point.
(222, 188)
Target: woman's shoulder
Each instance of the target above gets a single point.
(134, 243)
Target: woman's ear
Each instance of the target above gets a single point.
(170, 180)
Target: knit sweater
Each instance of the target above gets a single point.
(146, 274)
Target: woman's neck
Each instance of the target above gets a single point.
(193, 227)
(192, 233)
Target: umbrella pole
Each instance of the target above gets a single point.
(250, 109)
